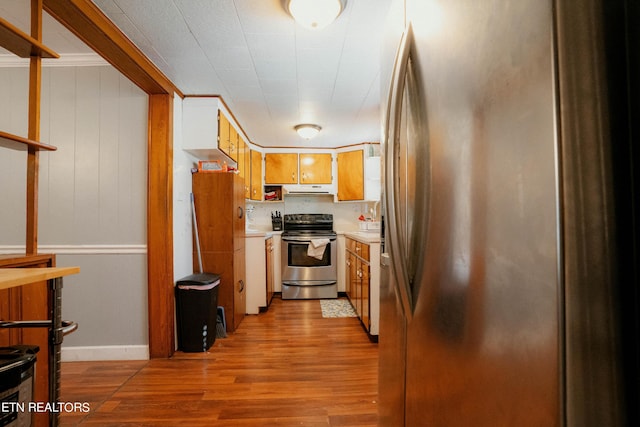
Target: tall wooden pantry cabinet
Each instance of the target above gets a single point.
(219, 202)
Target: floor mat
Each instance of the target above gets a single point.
(337, 308)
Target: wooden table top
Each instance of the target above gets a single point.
(13, 277)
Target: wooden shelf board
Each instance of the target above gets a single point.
(14, 142)
(13, 277)
(20, 43)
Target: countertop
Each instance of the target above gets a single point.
(261, 233)
(363, 236)
(12, 277)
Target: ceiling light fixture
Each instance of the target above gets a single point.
(307, 131)
(315, 14)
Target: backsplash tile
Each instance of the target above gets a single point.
(345, 215)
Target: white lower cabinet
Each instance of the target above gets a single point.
(262, 279)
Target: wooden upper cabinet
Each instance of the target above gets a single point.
(228, 138)
(256, 175)
(234, 142)
(223, 133)
(351, 175)
(247, 173)
(281, 168)
(315, 168)
(240, 159)
(209, 131)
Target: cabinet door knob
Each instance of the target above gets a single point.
(240, 212)
(241, 282)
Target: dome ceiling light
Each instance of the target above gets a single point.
(315, 14)
(307, 131)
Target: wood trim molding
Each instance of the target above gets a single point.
(221, 99)
(263, 147)
(160, 227)
(33, 156)
(89, 24)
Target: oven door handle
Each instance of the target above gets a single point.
(304, 283)
(305, 239)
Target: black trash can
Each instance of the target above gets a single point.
(196, 311)
(16, 384)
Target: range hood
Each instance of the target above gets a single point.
(308, 190)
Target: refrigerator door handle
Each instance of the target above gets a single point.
(399, 259)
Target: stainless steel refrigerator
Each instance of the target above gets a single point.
(501, 258)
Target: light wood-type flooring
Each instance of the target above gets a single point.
(286, 367)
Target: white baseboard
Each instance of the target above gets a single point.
(107, 352)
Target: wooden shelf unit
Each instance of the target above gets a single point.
(22, 44)
(38, 300)
(15, 142)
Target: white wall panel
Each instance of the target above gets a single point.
(13, 164)
(57, 222)
(15, 88)
(108, 161)
(98, 121)
(182, 224)
(92, 194)
(133, 146)
(87, 156)
(106, 299)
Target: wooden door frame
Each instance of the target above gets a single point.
(90, 25)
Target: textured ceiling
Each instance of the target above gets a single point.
(272, 73)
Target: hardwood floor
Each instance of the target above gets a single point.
(288, 366)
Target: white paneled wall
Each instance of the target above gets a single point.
(14, 87)
(182, 225)
(96, 189)
(92, 198)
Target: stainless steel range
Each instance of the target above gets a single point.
(309, 249)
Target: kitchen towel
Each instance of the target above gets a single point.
(317, 247)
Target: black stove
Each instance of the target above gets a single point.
(308, 224)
